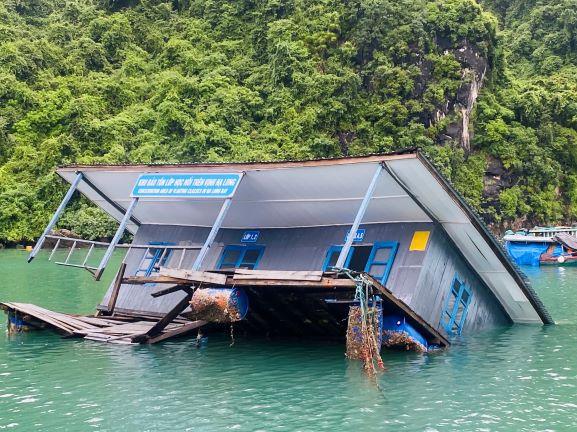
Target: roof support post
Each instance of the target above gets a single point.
(212, 235)
(115, 239)
(56, 216)
(358, 218)
(213, 231)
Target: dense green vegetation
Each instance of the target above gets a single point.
(211, 80)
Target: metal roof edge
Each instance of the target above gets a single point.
(495, 245)
(373, 157)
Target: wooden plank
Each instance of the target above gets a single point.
(182, 330)
(194, 276)
(99, 322)
(325, 282)
(65, 318)
(170, 290)
(142, 280)
(241, 274)
(116, 288)
(24, 308)
(43, 316)
(67, 323)
(124, 340)
(165, 320)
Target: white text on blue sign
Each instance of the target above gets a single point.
(250, 237)
(180, 185)
(359, 237)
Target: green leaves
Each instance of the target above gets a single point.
(207, 80)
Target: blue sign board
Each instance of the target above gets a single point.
(181, 185)
(359, 237)
(250, 237)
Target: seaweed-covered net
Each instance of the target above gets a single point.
(400, 339)
(363, 342)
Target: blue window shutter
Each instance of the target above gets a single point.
(387, 264)
(336, 250)
(241, 259)
(458, 299)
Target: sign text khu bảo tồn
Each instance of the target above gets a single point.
(182, 185)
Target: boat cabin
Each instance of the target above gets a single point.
(301, 239)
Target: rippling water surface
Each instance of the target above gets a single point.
(520, 378)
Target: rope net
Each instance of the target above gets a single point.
(364, 329)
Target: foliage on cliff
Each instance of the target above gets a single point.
(211, 80)
(527, 118)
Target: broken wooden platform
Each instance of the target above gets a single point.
(281, 297)
(118, 330)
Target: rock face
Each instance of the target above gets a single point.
(473, 77)
(474, 69)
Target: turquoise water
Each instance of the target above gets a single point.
(520, 378)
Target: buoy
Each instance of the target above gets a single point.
(28, 248)
(561, 259)
(219, 304)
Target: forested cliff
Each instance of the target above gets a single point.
(487, 89)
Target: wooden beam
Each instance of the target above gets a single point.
(142, 280)
(241, 166)
(116, 288)
(186, 288)
(182, 330)
(325, 282)
(194, 276)
(157, 328)
(113, 203)
(243, 274)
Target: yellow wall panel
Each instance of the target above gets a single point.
(420, 240)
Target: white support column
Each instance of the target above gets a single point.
(115, 239)
(358, 219)
(214, 230)
(55, 216)
(212, 235)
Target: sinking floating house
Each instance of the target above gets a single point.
(278, 237)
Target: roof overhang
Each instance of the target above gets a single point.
(325, 193)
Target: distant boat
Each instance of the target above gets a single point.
(543, 246)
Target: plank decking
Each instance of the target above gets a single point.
(118, 330)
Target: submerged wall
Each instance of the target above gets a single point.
(441, 266)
